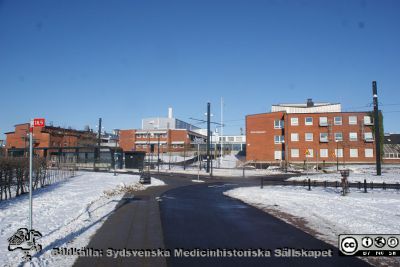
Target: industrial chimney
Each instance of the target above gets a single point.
(169, 113)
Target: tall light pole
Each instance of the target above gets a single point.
(337, 155)
(377, 130)
(208, 136)
(115, 151)
(158, 153)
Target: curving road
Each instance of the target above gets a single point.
(188, 215)
(200, 216)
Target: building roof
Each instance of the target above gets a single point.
(392, 139)
(308, 107)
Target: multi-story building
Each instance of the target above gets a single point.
(391, 148)
(46, 139)
(316, 132)
(166, 134)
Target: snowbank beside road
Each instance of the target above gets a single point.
(68, 212)
(325, 212)
(390, 174)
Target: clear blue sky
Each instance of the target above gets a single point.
(74, 61)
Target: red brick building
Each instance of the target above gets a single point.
(48, 137)
(167, 133)
(175, 140)
(320, 132)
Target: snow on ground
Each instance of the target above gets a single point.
(227, 161)
(326, 211)
(66, 213)
(228, 172)
(390, 174)
(165, 157)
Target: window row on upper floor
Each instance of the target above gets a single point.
(324, 137)
(323, 121)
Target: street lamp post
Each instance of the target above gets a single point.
(115, 153)
(337, 155)
(158, 154)
(149, 149)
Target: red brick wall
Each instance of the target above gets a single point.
(260, 137)
(127, 140)
(260, 134)
(47, 137)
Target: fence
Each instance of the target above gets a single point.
(365, 186)
(14, 175)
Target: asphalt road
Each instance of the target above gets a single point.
(200, 216)
(190, 215)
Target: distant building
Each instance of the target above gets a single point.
(163, 133)
(109, 139)
(391, 147)
(46, 139)
(229, 142)
(313, 131)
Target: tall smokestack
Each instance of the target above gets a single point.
(169, 113)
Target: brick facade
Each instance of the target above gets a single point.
(264, 145)
(48, 137)
(176, 140)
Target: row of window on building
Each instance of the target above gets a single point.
(161, 146)
(324, 153)
(152, 135)
(323, 137)
(323, 121)
(392, 155)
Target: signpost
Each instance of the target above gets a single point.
(39, 122)
(307, 154)
(198, 141)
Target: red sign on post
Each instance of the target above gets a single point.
(38, 122)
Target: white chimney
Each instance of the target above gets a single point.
(169, 113)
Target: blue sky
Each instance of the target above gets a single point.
(75, 61)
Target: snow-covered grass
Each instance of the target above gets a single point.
(390, 174)
(326, 212)
(68, 212)
(233, 172)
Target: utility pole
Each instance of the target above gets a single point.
(208, 136)
(97, 150)
(222, 129)
(377, 130)
(158, 154)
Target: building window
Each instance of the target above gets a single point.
(323, 137)
(309, 137)
(339, 153)
(309, 153)
(231, 139)
(353, 136)
(278, 124)
(294, 153)
(368, 137)
(294, 121)
(352, 120)
(323, 121)
(323, 153)
(367, 120)
(369, 153)
(278, 155)
(338, 137)
(353, 153)
(337, 121)
(279, 139)
(309, 121)
(294, 137)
